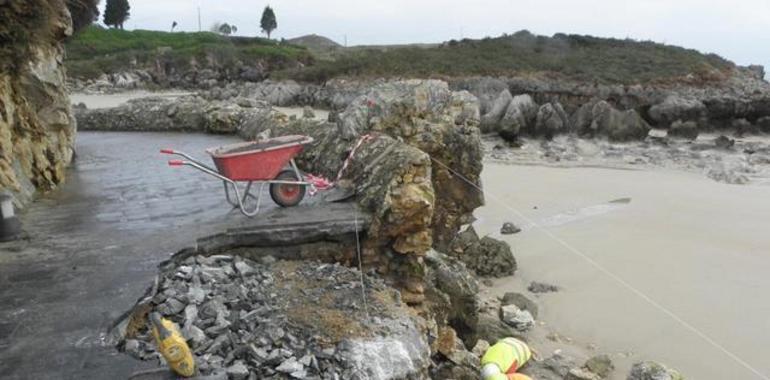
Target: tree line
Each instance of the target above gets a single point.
(117, 12)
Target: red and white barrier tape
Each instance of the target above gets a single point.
(321, 183)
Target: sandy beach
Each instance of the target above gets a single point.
(695, 247)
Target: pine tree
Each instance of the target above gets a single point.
(268, 22)
(116, 13)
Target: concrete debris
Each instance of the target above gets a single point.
(541, 287)
(282, 320)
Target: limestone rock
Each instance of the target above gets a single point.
(520, 319)
(37, 131)
(686, 130)
(521, 301)
(551, 120)
(601, 365)
(520, 115)
(498, 108)
(486, 256)
(675, 108)
(509, 228)
(653, 371)
(618, 125)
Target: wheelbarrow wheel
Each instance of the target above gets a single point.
(287, 195)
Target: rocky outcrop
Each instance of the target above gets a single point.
(486, 256)
(675, 108)
(602, 119)
(551, 120)
(37, 130)
(432, 118)
(684, 129)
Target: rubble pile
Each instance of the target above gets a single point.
(280, 319)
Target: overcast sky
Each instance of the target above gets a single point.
(738, 30)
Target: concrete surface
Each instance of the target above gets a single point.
(93, 248)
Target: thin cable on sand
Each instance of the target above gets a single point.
(612, 276)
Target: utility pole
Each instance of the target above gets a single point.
(199, 18)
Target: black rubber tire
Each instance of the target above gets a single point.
(287, 195)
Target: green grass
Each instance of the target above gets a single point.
(576, 57)
(96, 50)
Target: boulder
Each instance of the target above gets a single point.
(486, 256)
(724, 142)
(601, 365)
(451, 278)
(743, 127)
(521, 320)
(675, 108)
(684, 129)
(521, 301)
(491, 119)
(618, 125)
(520, 115)
(551, 120)
(582, 118)
(509, 228)
(764, 124)
(653, 371)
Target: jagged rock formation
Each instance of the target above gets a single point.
(36, 127)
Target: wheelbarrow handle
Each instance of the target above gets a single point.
(167, 151)
(177, 163)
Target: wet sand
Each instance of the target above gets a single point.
(699, 248)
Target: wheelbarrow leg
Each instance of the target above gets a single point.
(241, 201)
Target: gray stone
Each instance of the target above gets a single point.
(724, 142)
(521, 301)
(581, 374)
(764, 124)
(308, 113)
(290, 365)
(520, 115)
(243, 268)
(551, 120)
(194, 335)
(541, 287)
(686, 130)
(653, 371)
(601, 365)
(238, 371)
(521, 320)
(509, 228)
(675, 108)
(491, 120)
(172, 306)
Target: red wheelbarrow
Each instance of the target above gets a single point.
(268, 162)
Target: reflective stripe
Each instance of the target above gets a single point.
(520, 350)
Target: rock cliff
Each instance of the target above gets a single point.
(37, 129)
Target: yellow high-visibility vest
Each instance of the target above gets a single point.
(508, 354)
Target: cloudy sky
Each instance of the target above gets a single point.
(736, 29)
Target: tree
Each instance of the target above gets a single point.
(116, 13)
(83, 12)
(268, 23)
(224, 28)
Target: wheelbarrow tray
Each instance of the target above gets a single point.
(257, 160)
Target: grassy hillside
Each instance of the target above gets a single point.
(576, 57)
(96, 50)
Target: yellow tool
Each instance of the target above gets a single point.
(172, 345)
